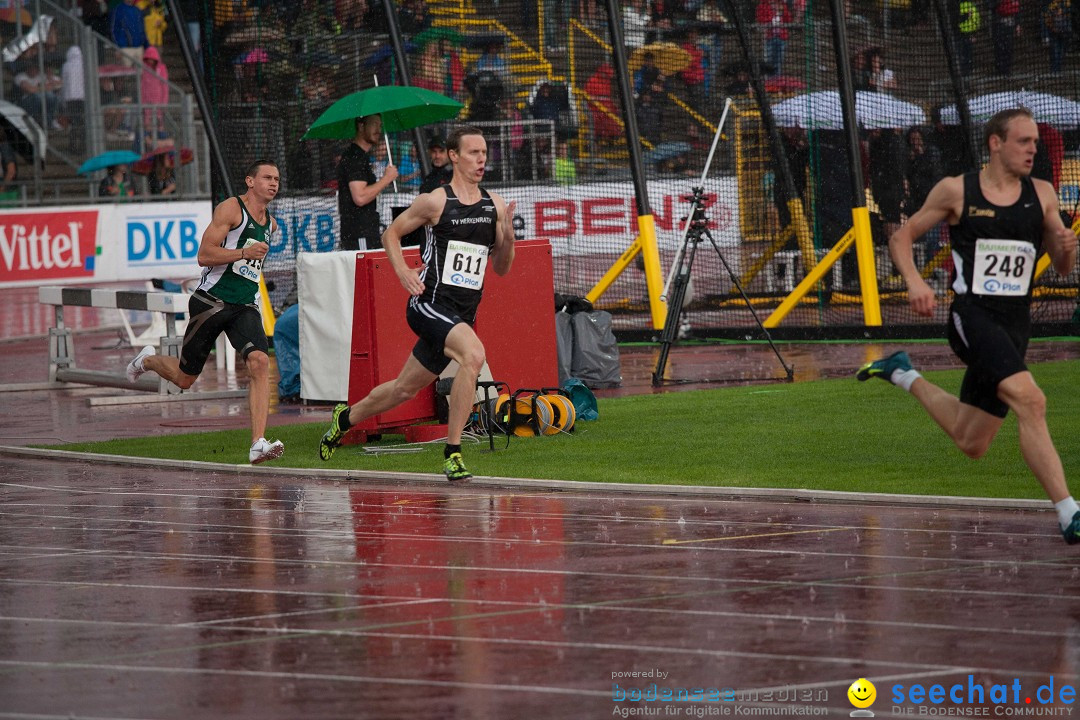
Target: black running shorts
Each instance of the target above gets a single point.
(431, 323)
(209, 317)
(992, 343)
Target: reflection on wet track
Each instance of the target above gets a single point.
(172, 594)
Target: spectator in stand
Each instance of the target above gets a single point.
(565, 170)
(8, 165)
(413, 17)
(491, 61)
(154, 81)
(408, 168)
(73, 93)
(886, 151)
(95, 13)
(602, 109)
(546, 106)
(693, 76)
(636, 22)
(429, 71)
(190, 9)
(1004, 29)
(1049, 155)
(162, 180)
(647, 74)
(880, 79)
(1057, 18)
(712, 19)
(454, 78)
(924, 169)
(773, 16)
(860, 29)
(740, 81)
(968, 24)
(590, 14)
(37, 94)
(441, 169)
(153, 21)
(650, 113)
(115, 183)
(127, 30)
(860, 71)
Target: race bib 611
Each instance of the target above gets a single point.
(1003, 268)
(464, 265)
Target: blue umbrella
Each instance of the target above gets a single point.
(108, 159)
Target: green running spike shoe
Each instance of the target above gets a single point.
(454, 467)
(331, 439)
(884, 367)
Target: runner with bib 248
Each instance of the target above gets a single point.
(1000, 220)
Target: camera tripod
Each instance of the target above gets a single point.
(696, 230)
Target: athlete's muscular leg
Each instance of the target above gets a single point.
(1024, 398)
(465, 347)
(413, 378)
(258, 369)
(970, 428)
(168, 367)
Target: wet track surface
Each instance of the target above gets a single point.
(176, 594)
(168, 593)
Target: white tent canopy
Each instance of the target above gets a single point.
(1060, 112)
(822, 111)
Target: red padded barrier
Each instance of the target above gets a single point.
(516, 323)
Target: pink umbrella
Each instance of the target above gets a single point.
(258, 55)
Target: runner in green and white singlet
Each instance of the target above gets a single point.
(238, 281)
(232, 251)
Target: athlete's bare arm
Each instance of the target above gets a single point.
(227, 215)
(426, 209)
(944, 203)
(502, 257)
(1059, 241)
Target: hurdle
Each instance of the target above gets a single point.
(62, 367)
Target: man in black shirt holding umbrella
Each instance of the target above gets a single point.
(358, 187)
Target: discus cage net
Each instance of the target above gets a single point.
(538, 77)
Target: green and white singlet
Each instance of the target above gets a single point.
(238, 282)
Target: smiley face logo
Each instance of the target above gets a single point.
(862, 693)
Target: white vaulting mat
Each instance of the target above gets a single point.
(325, 293)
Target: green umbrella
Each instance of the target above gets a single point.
(433, 34)
(402, 108)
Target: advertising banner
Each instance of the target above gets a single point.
(101, 243)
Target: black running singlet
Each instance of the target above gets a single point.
(995, 248)
(456, 254)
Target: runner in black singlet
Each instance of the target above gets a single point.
(1001, 220)
(468, 227)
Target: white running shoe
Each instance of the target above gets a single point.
(263, 450)
(135, 369)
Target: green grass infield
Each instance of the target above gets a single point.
(822, 435)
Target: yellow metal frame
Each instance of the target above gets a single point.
(859, 235)
(644, 243)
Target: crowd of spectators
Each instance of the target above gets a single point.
(49, 78)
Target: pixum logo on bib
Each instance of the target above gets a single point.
(47, 246)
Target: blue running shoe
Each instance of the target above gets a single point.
(1072, 533)
(884, 367)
